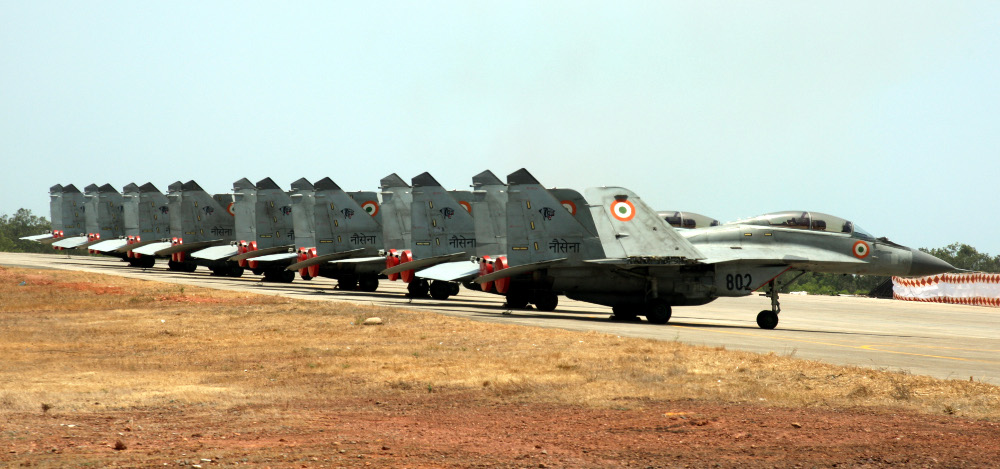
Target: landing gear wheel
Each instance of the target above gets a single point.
(147, 262)
(235, 272)
(767, 319)
(189, 267)
(286, 276)
(347, 283)
(624, 313)
(175, 266)
(545, 301)
(517, 300)
(440, 290)
(658, 313)
(368, 283)
(417, 288)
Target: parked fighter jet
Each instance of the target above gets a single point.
(351, 230)
(146, 216)
(66, 205)
(632, 260)
(263, 225)
(303, 199)
(104, 221)
(442, 232)
(197, 221)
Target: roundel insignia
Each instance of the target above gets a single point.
(370, 207)
(622, 210)
(861, 250)
(569, 206)
(465, 205)
(229, 208)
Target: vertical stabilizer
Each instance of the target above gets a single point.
(539, 228)
(204, 217)
(441, 221)
(303, 197)
(345, 224)
(397, 196)
(489, 214)
(629, 228)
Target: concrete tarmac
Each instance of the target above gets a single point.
(944, 341)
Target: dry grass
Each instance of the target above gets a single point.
(76, 342)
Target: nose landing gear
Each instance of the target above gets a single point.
(769, 319)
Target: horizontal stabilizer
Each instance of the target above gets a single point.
(152, 248)
(109, 245)
(216, 253)
(451, 271)
(88, 244)
(423, 263)
(36, 237)
(517, 270)
(190, 247)
(284, 256)
(324, 259)
(262, 252)
(135, 246)
(70, 243)
(360, 260)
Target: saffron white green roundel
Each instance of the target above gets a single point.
(622, 210)
(370, 207)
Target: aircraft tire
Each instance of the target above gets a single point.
(286, 276)
(347, 283)
(624, 312)
(417, 288)
(147, 261)
(368, 283)
(658, 313)
(440, 290)
(517, 300)
(175, 266)
(767, 319)
(189, 267)
(219, 271)
(545, 300)
(234, 272)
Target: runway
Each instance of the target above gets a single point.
(944, 341)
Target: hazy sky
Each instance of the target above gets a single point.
(885, 113)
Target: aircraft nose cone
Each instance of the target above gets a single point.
(926, 264)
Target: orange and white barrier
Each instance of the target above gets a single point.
(976, 289)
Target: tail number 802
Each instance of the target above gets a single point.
(738, 281)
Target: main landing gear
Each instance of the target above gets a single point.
(769, 319)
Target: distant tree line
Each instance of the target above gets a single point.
(960, 255)
(23, 223)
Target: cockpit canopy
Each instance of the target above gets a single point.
(814, 221)
(689, 220)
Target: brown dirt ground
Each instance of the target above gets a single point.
(415, 427)
(456, 430)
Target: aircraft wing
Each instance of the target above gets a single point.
(262, 252)
(110, 245)
(324, 259)
(36, 237)
(423, 263)
(517, 270)
(152, 248)
(190, 247)
(70, 243)
(451, 271)
(276, 257)
(216, 253)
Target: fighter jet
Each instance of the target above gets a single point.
(146, 216)
(303, 200)
(197, 221)
(628, 257)
(442, 232)
(66, 206)
(103, 221)
(263, 225)
(353, 228)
